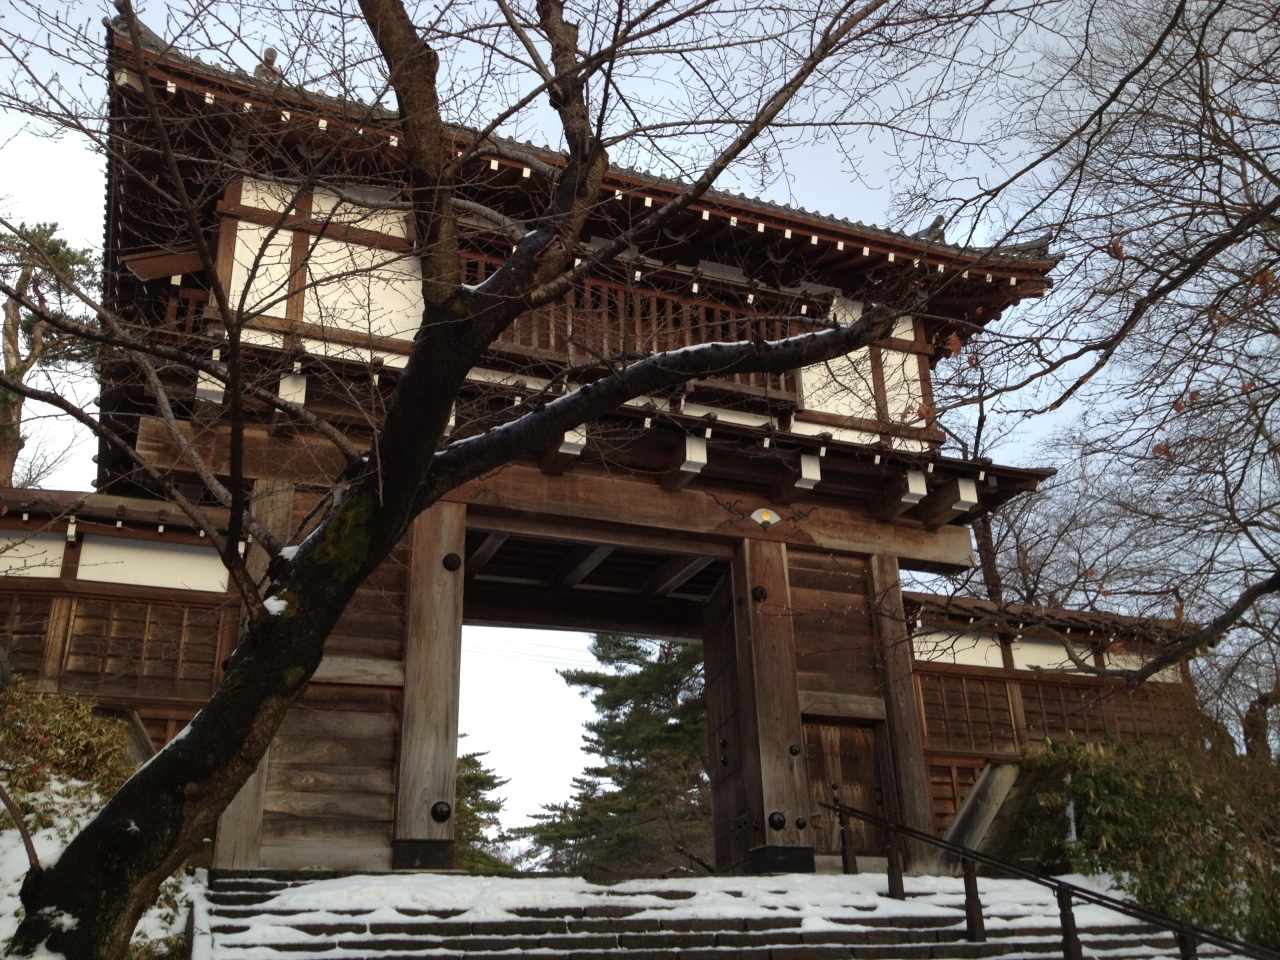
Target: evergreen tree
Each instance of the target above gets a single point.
(649, 799)
(477, 813)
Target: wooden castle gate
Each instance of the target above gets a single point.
(766, 517)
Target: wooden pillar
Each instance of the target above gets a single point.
(429, 716)
(776, 788)
(908, 779)
(239, 837)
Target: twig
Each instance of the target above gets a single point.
(22, 827)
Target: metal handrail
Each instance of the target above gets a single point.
(1187, 934)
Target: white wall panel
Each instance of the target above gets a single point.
(147, 563)
(31, 554)
(365, 290)
(269, 289)
(329, 207)
(843, 387)
(1046, 654)
(972, 649)
(902, 388)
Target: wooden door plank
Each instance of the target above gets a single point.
(238, 842)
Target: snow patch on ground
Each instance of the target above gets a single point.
(156, 924)
(821, 902)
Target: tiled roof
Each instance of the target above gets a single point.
(1034, 251)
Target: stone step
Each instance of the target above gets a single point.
(385, 948)
(883, 944)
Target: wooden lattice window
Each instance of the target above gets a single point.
(949, 784)
(22, 632)
(147, 650)
(967, 714)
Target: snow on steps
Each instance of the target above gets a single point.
(794, 917)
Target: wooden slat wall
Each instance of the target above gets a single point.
(835, 647)
(23, 632)
(330, 791)
(949, 784)
(971, 714)
(970, 718)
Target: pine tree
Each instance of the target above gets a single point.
(477, 812)
(649, 799)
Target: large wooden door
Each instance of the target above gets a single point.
(842, 758)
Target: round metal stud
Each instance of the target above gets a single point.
(441, 811)
(759, 594)
(801, 823)
(795, 749)
(452, 562)
(777, 820)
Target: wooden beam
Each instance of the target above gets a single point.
(363, 671)
(777, 788)
(689, 460)
(718, 512)
(909, 776)
(562, 529)
(162, 264)
(589, 495)
(511, 605)
(578, 564)
(797, 480)
(673, 574)
(484, 553)
(904, 494)
(851, 706)
(429, 715)
(948, 502)
(558, 457)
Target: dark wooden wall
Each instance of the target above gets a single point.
(330, 779)
(972, 715)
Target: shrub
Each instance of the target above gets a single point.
(59, 759)
(1184, 830)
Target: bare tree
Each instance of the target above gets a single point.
(1143, 141)
(690, 90)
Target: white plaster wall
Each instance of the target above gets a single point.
(843, 387)
(268, 290)
(970, 649)
(146, 563)
(1124, 660)
(1046, 654)
(31, 554)
(364, 290)
(902, 387)
(394, 223)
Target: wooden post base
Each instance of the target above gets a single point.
(781, 860)
(421, 854)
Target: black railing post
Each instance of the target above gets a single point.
(1188, 936)
(848, 855)
(896, 890)
(1070, 938)
(976, 929)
